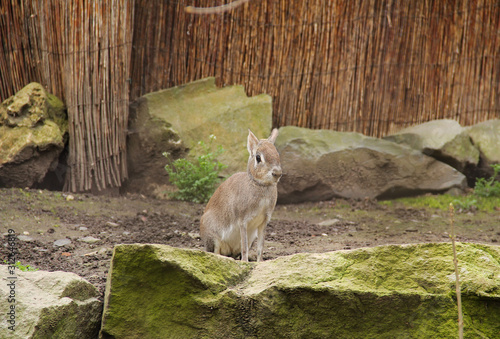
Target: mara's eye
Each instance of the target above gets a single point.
(258, 158)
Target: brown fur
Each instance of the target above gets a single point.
(241, 207)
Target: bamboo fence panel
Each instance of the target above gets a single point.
(18, 34)
(367, 66)
(80, 51)
(97, 37)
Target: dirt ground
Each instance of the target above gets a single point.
(76, 233)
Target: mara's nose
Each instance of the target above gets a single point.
(277, 173)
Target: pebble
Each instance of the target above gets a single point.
(114, 224)
(89, 239)
(126, 233)
(104, 250)
(194, 235)
(62, 242)
(25, 238)
(329, 222)
(83, 228)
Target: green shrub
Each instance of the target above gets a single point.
(466, 203)
(488, 187)
(196, 179)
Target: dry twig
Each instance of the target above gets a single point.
(215, 9)
(457, 280)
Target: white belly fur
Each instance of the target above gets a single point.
(230, 236)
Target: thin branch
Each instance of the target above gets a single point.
(457, 281)
(216, 9)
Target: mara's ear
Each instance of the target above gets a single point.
(273, 136)
(252, 142)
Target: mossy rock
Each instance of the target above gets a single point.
(442, 139)
(33, 133)
(31, 106)
(486, 137)
(50, 305)
(200, 109)
(322, 164)
(174, 120)
(157, 291)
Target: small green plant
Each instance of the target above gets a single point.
(489, 187)
(24, 268)
(467, 203)
(196, 179)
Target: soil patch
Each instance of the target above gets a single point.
(77, 233)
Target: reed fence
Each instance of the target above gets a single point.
(80, 51)
(367, 66)
(350, 65)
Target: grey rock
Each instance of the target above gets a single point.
(444, 140)
(386, 291)
(33, 128)
(26, 238)
(329, 222)
(322, 164)
(48, 305)
(176, 119)
(486, 137)
(62, 242)
(89, 240)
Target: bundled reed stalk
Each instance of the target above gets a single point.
(367, 66)
(80, 51)
(96, 67)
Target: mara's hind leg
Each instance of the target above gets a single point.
(217, 249)
(244, 242)
(209, 245)
(260, 242)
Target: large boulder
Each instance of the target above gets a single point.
(444, 140)
(48, 305)
(486, 137)
(156, 291)
(33, 133)
(322, 164)
(176, 119)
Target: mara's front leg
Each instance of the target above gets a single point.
(244, 241)
(260, 239)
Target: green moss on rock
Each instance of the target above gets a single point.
(173, 290)
(32, 105)
(74, 320)
(199, 109)
(33, 133)
(51, 305)
(32, 118)
(157, 291)
(79, 290)
(13, 141)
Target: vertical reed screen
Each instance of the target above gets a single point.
(80, 51)
(366, 66)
